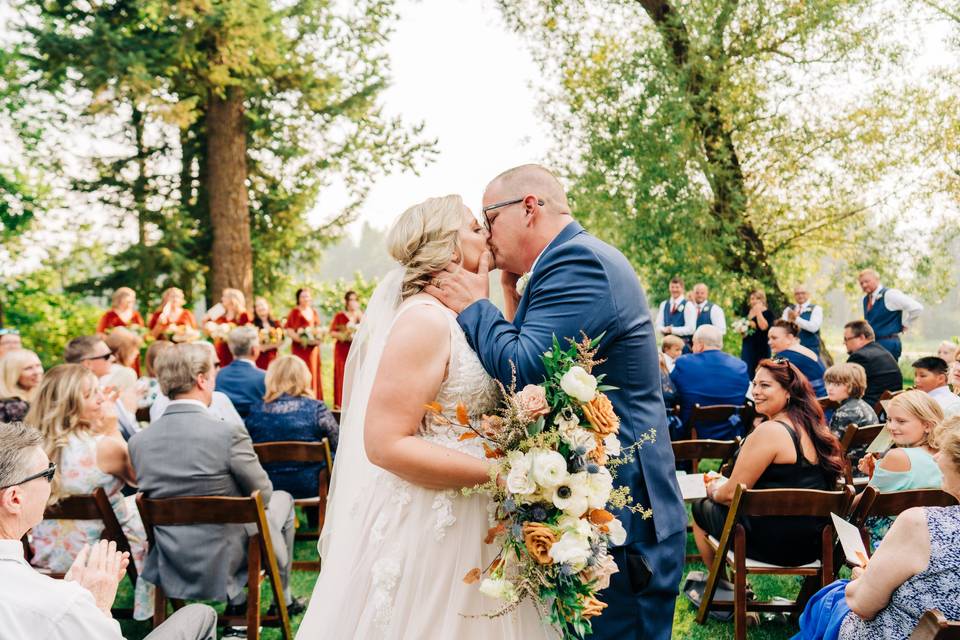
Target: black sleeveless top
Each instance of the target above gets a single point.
(801, 474)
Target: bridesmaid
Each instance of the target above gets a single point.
(351, 315)
(235, 312)
(303, 315)
(171, 312)
(263, 319)
(122, 313)
(755, 346)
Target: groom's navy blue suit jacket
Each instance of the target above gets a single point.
(582, 284)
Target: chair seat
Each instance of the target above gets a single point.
(756, 564)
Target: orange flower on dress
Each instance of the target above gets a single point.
(592, 607)
(539, 538)
(601, 415)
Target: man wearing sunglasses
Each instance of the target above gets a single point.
(91, 352)
(35, 606)
(570, 282)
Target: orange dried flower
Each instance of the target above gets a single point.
(433, 407)
(491, 453)
(472, 577)
(462, 414)
(601, 415)
(538, 538)
(493, 532)
(600, 516)
(592, 607)
(467, 435)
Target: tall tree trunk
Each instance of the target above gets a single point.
(146, 269)
(723, 168)
(231, 255)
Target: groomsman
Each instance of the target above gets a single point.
(807, 316)
(707, 312)
(677, 315)
(889, 312)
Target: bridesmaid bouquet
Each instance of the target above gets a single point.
(311, 336)
(555, 448)
(271, 336)
(182, 333)
(218, 331)
(743, 326)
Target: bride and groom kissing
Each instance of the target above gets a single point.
(400, 533)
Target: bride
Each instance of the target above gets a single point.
(399, 535)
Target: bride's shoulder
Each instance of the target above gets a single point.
(424, 313)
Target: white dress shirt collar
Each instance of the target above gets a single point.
(12, 550)
(189, 401)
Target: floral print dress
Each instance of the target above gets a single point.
(56, 543)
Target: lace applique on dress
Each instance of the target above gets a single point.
(443, 506)
(386, 573)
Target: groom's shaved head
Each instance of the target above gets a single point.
(535, 179)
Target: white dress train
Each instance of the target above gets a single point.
(405, 580)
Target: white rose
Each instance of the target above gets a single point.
(499, 588)
(548, 468)
(618, 535)
(579, 384)
(599, 486)
(611, 444)
(575, 436)
(571, 549)
(519, 480)
(577, 526)
(572, 496)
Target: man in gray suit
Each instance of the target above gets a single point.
(188, 452)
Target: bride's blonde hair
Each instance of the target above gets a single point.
(425, 238)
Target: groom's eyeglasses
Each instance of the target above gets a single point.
(488, 220)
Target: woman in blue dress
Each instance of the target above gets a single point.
(784, 340)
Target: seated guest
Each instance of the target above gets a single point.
(845, 384)
(930, 375)
(20, 376)
(759, 319)
(915, 569)
(89, 452)
(221, 407)
(791, 449)
(121, 384)
(671, 348)
(709, 376)
(9, 340)
(33, 605)
(784, 338)
(125, 345)
(290, 412)
(674, 426)
(90, 352)
(883, 372)
(808, 318)
(149, 387)
(241, 380)
(912, 418)
(189, 452)
(948, 351)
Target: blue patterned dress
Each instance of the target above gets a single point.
(936, 587)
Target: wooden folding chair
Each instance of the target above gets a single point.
(699, 450)
(886, 395)
(731, 548)
(94, 506)
(143, 414)
(748, 415)
(934, 626)
(854, 436)
(827, 404)
(710, 414)
(171, 512)
(872, 503)
(310, 452)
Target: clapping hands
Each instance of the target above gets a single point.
(99, 569)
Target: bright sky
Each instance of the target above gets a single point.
(456, 67)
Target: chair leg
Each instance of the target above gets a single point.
(713, 579)
(253, 589)
(159, 606)
(739, 585)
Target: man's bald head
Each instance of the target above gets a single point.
(534, 179)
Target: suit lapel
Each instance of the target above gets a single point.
(569, 232)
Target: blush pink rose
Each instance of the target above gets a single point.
(532, 401)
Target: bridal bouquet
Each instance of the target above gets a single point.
(310, 336)
(218, 330)
(181, 333)
(554, 446)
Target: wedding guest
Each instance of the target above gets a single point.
(807, 316)
(708, 312)
(204, 562)
(791, 449)
(9, 340)
(784, 339)
(671, 348)
(677, 316)
(125, 345)
(124, 314)
(150, 388)
(709, 376)
(300, 317)
(930, 375)
(220, 407)
(234, 311)
(33, 605)
(290, 412)
(669, 392)
(916, 569)
(889, 311)
(947, 351)
(90, 352)
(912, 419)
(171, 314)
(241, 380)
(342, 328)
(89, 452)
(846, 383)
(883, 372)
(20, 375)
(759, 318)
(121, 384)
(263, 319)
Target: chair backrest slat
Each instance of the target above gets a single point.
(80, 507)
(700, 449)
(198, 510)
(855, 436)
(290, 451)
(796, 502)
(713, 413)
(892, 504)
(934, 626)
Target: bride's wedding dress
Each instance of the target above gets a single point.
(396, 569)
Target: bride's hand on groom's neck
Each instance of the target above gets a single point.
(458, 288)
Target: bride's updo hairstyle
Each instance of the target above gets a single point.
(425, 238)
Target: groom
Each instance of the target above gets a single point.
(573, 283)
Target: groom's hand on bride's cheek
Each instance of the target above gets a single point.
(457, 288)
